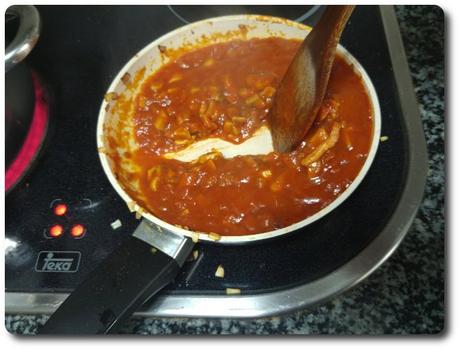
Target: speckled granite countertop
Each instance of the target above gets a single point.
(406, 294)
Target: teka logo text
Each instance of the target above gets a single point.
(52, 261)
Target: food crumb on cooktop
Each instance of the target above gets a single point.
(116, 224)
(193, 256)
(231, 291)
(383, 138)
(220, 272)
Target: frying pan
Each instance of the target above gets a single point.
(152, 256)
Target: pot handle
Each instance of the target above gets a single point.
(26, 36)
(121, 283)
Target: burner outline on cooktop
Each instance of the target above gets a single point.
(300, 19)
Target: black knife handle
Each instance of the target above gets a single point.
(114, 290)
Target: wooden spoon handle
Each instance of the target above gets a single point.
(301, 92)
(323, 41)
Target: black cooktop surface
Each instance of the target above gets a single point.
(79, 52)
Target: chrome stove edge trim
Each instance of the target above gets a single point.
(321, 290)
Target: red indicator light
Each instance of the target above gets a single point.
(60, 209)
(56, 230)
(78, 230)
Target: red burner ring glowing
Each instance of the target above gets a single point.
(34, 138)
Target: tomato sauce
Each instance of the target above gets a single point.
(225, 90)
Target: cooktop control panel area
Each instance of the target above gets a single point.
(64, 217)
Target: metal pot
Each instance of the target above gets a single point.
(19, 84)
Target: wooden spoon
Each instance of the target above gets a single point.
(301, 92)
